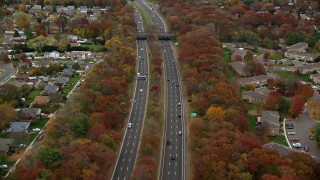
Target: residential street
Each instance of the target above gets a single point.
(8, 71)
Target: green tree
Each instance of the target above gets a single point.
(317, 134)
(284, 105)
(49, 156)
(294, 37)
(28, 33)
(16, 34)
(80, 128)
(249, 56)
(315, 37)
(108, 141)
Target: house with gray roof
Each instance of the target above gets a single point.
(18, 127)
(5, 144)
(282, 149)
(238, 67)
(239, 52)
(257, 96)
(30, 113)
(61, 81)
(271, 120)
(68, 72)
(255, 80)
(301, 56)
(310, 68)
(50, 89)
(315, 78)
(298, 47)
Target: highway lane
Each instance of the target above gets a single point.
(129, 147)
(173, 151)
(8, 71)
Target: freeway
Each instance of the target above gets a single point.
(173, 148)
(129, 147)
(8, 71)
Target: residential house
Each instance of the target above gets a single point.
(255, 80)
(3, 51)
(73, 38)
(83, 9)
(282, 149)
(5, 144)
(50, 89)
(48, 8)
(271, 120)
(61, 81)
(53, 54)
(239, 67)
(30, 113)
(238, 53)
(299, 47)
(257, 96)
(301, 56)
(79, 54)
(68, 72)
(22, 77)
(41, 100)
(18, 127)
(310, 68)
(315, 78)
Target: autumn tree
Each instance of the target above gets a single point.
(7, 114)
(4, 58)
(272, 100)
(305, 90)
(22, 20)
(297, 103)
(215, 113)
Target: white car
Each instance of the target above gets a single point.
(3, 166)
(291, 133)
(179, 104)
(36, 129)
(180, 132)
(296, 145)
(141, 90)
(141, 49)
(130, 125)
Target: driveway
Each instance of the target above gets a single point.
(8, 71)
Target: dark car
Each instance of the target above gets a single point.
(294, 139)
(168, 142)
(177, 85)
(168, 79)
(179, 115)
(173, 157)
(306, 148)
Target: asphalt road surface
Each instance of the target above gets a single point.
(8, 71)
(129, 146)
(173, 151)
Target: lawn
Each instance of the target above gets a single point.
(289, 75)
(280, 140)
(227, 55)
(250, 106)
(313, 51)
(277, 56)
(4, 160)
(32, 95)
(75, 79)
(39, 123)
(147, 21)
(252, 123)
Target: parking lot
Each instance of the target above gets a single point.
(299, 132)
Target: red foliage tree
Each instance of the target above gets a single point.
(272, 100)
(297, 104)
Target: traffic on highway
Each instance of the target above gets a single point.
(129, 147)
(173, 151)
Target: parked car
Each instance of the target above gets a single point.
(3, 166)
(291, 133)
(296, 145)
(294, 139)
(306, 148)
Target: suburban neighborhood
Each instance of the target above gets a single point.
(160, 89)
